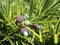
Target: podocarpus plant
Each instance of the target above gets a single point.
(45, 13)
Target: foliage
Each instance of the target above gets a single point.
(42, 12)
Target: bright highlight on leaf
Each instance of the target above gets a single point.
(55, 38)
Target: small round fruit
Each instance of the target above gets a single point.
(20, 18)
(24, 29)
(25, 33)
(26, 16)
(26, 22)
(40, 27)
(34, 26)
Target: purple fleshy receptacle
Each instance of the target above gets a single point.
(20, 18)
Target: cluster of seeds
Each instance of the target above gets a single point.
(23, 19)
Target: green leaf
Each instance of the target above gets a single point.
(41, 39)
(25, 38)
(23, 43)
(49, 4)
(35, 34)
(55, 38)
(11, 42)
